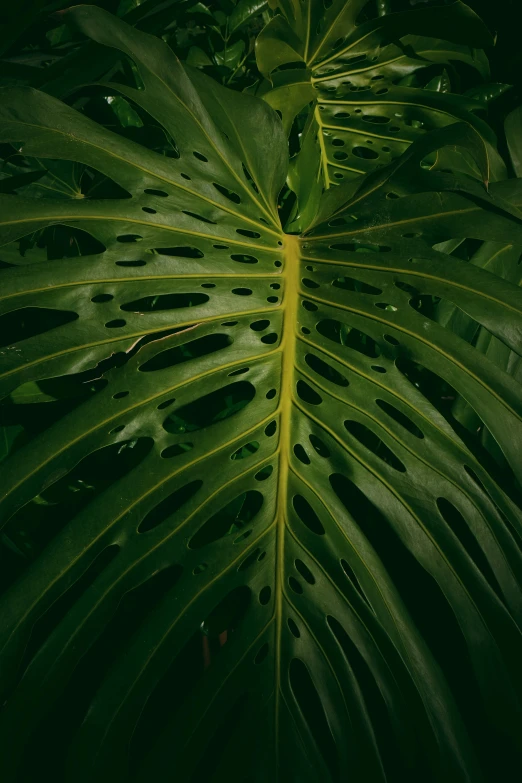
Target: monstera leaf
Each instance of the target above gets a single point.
(370, 86)
(245, 538)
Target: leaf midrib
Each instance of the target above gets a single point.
(288, 351)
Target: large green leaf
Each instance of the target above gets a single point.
(369, 84)
(255, 545)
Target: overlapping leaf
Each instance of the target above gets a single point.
(373, 86)
(261, 549)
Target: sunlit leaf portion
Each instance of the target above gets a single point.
(244, 536)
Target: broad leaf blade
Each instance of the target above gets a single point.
(368, 84)
(260, 545)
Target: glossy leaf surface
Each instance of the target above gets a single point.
(371, 86)
(262, 548)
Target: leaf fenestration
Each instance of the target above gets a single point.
(278, 556)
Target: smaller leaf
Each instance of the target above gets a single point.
(488, 92)
(440, 83)
(231, 55)
(244, 11)
(127, 116)
(59, 35)
(197, 57)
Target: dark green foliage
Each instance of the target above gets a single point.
(261, 424)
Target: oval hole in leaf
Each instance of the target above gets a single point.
(199, 217)
(28, 322)
(307, 394)
(270, 429)
(227, 193)
(117, 323)
(350, 284)
(373, 443)
(264, 473)
(353, 579)
(319, 446)
(259, 326)
(229, 520)
(250, 560)
(244, 259)
(342, 334)
(194, 349)
(169, 506)
(151, 304)
(245, 232)
(294, 630)
(127, 238)
(153, 192)
(295, 585)
(101, 468)
(176, 450)
(242, 537)
(262, 654)
(364, 152)
(264, 595)
(305, 572)
(353, 247)
(100, 298)
(301, 454)
(211, 408)
(166, 403)
(307, 515)
(400, 418)
(377, 119)
(269, 339)
(181, 252)
(229, 612)
(325, 370)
